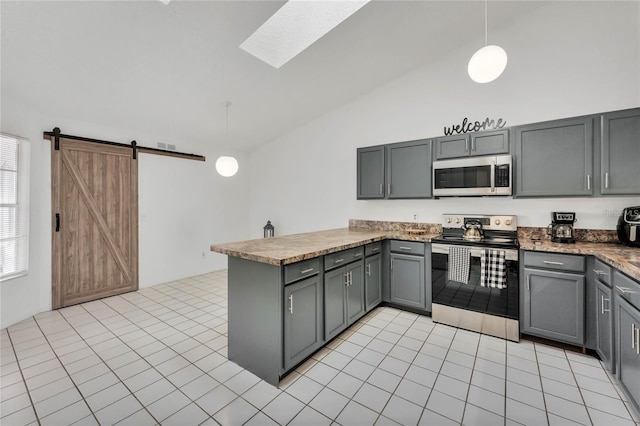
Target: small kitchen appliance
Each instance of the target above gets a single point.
(472, 249)
(629, 226)
(561, 227)
(473, 176)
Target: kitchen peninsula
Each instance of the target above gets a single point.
(277, 296)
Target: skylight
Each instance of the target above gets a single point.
(295, 26)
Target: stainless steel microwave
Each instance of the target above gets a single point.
(473, 176)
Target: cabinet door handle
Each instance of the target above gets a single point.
(381, 193)
(306, 271)
(550, 262)
(527, 282)
(405, 248)
(638, 340)
(291, 304)
(473, 144)
(602, 309)
(392, 264)
(588, 182)
(606, 179)
(466, 144)
(388, 188)
(369, 269)
(633, 336)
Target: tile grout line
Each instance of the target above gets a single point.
(33, 406)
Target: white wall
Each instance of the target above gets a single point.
(184, 206)
(564, 60)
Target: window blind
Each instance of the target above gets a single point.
(14, 202)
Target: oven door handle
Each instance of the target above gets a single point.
(510, 254)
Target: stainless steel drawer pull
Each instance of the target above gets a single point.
(606, 179)
(599, 272)
(306, 271)
(357, 254)
(550, 262)
(588, 182)
(633, 335)
(528, 283)
(623, 290)
(375, 249)
(638, 340)
(405, 248)
(338, 260)
(291, 304)
(368, 269)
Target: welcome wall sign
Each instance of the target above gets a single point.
(473, 126)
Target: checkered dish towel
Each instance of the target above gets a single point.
(459, 260)
(493, 271)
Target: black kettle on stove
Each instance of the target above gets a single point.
(628, 227)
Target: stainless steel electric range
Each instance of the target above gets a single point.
(475, 274)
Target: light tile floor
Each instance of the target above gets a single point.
(159, 356)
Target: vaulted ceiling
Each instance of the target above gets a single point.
(169, 69)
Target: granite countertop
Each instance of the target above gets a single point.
(617, 255)
(294, 248)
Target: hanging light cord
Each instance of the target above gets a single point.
(228, 104)
(486, 41)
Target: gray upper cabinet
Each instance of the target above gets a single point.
(554, 159)
(302, 320)
(371, 173)
(408, 167)
(479, 143)
(620, 153)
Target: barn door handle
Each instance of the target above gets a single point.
(57, 222)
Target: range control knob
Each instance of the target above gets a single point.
(497, 221)
(507, 222)
(457, 220)
(448, 220)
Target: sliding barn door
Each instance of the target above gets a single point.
(95, 221)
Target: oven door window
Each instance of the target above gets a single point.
(472, 296)
(463, 177)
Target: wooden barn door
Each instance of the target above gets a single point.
(95, 221)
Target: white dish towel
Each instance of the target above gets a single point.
(459, 262)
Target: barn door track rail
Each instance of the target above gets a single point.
(134, 146)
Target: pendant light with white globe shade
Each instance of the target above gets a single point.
(226, 165)
(489, 62)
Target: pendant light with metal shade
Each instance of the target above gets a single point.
(489, 62)
(227, 166)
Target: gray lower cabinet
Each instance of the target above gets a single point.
(407, 285)
(408, 169)
(373, 281)
(627, 319)
(343, 298)
(370, 172)
(478, 143)
(604, 324)
(302, 320)
(554, 159)
(620, 153)
(553, 295)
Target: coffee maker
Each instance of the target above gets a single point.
(561, 227)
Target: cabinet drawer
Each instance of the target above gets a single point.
(602, 272)
(343, 257)
(407, 247)
(373, 248)
(299, 270)
(627, 288)
(560, 262)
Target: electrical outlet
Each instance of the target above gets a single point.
(203, 254)
(415, 216)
